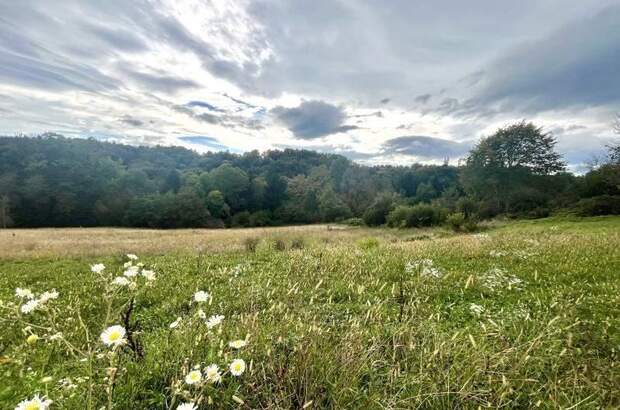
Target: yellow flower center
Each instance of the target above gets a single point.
(237, 367)
(115, 335)
(194, 376)
(32, 406)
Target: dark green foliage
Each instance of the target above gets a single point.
(419, 215)
(377, 213)
(599, 205)
(353, 222)
(456, 221)
(56, 181)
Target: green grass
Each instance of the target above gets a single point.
(336, 325)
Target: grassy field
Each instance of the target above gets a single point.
(522, 315)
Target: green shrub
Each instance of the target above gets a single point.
(279, 244)
(368, 243)
(353, 222)
(416, 216)
(298, 243)
(456, 221)
(599, 205)
(260, 218)
(241, 219)
(376, 214)
(251, 244)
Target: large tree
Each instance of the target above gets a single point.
(517, 157)
(518, 146)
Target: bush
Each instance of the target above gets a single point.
(467, 206)
(251, 244)
(599, 205)
(260, 218)
(241, 219)
(376, 214)
(368, 243)
(471, 225)
(297, 243)
(353, 222)
(456, 221)
(279, 244)
(416, 216)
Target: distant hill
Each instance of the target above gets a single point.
(56, 181)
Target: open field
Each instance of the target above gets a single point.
(523, 315)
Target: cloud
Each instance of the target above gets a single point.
(425, 147)
(575, 66)
(129, 120)
(312, 119)
(423, 98)
(204, 104)
(159, 81)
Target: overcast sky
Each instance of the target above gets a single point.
(380, 81)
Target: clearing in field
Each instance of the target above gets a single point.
(523, 315)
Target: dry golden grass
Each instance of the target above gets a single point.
(62, 242)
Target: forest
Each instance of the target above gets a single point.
(50, 180)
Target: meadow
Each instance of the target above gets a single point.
(524, 314)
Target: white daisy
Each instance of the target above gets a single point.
(187, 406)
(132, 257)
(193, 377)
(36, 403)
(114, 336)
(127, 264)
(212, 373)
(148, 274)
(97, 268)
(237, 367)
(24, 293)
(120, 281)
(29, 306)
(175, 323)
(48, 295)
(214, 321)
(131, 271)
(201, 296)
(237, 344)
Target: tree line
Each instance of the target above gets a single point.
(51, 180)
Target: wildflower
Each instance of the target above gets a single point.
(212, 373)
(97, 268)
(193, 377)
(131, 271)
(120, 281)
(56, 336)
(202, 314)
(29, 306)
(214, 321)
(237, 367)
(32, 339)
(36, 403)
(48, 295)
(187, 406)
(114, 336)
(201, 296)
(24, 293)
(127, 264)
(132, 257)
(237, 344)
(425, 267)
(148, 274)
(175, 323)
(476, 309)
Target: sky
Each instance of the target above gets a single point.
(378, 81)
